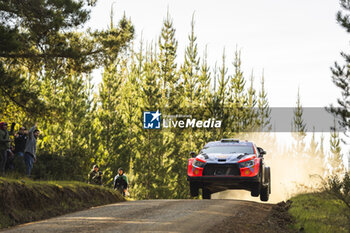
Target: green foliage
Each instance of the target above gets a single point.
(50, 82)
(319, 212)
(341, 73)
(340, 189)
(238, 99)
(335, 158)
(326, 211)
(264, 110)
(41, 39)
(51, 166)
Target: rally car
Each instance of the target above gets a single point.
(229, 164)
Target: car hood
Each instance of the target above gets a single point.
(219, 157)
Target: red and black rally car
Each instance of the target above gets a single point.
(229, 164)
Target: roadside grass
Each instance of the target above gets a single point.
(319, 212)
(25, 200)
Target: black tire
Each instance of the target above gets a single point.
(206, 194)
(268, 177)
(255, 192)
(194, 190)
(264, 193)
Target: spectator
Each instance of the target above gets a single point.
(95, 176)
(30, 149)
(20, 141)
(10, 159)
(121, 182)
(4, 145)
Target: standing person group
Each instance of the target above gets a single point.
(120, 180)
(25, 147)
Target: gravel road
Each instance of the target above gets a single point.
(161, 216)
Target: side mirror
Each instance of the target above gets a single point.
(193, 154)
(261, 151)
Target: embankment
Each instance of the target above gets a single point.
(24, 201)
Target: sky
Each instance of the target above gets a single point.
(293, 42)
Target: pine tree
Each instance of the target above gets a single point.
(131, 102)
(112, 128)
(220, 97)
(298, 126)
(204, 80)
(313, 146)
(252, 114)
(214, 103)
(147, 179)
(264, 110)
(190, 75)
(321, 148)
(67, 135)
(205, 96)
(238, 99)
(316, 156)
(341, 73)
(168, 48)
(336, 158)
(190, 68)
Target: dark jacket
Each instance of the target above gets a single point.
(121, 181)
(20, 142)
(95, 177)
(4, 140)
(5, 137)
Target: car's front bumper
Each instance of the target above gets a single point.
(220, 183)
(227, 179)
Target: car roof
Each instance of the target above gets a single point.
(228, 142)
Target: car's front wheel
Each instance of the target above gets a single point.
(206, 194)
(264, 193)
(265, 189)
(194, 189)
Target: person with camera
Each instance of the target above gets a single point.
(121, 182)
(20, 141)
(95, 176)
(30, 149)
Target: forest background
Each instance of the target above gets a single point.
(47, 62)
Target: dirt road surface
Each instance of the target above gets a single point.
(165, 216)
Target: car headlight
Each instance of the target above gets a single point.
(248, 163)
(199, 162)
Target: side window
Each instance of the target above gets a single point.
(256, 150)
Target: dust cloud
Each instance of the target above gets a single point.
(292, 171)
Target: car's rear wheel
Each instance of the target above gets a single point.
(206, 194)
(194, 190)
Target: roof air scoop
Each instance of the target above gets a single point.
(229, 140)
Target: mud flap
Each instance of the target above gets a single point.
(206, 194)
(194, 189)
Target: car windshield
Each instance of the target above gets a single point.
(228, 149)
